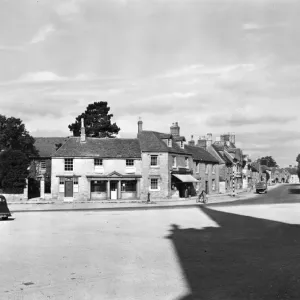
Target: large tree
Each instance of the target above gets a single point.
(97, 121)
(14, 136)
(268, 161)
(13, 171)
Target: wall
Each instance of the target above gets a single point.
(83, 167)
(161, 172)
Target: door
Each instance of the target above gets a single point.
(206, 187)
(113, 190)
(69, 188)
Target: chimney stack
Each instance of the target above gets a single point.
(192, 142)
(202, 142)
(140, 125)
(82, 132)
(209, 140)
(175, 129)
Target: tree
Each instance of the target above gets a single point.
(13, 171)
(268, 161)
(14, 136)
(97, 122)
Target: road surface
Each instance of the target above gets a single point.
(244, 250)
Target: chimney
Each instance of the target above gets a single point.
(82, 132)
(232, 138)
(140, 125)
(175, 129)
(209, 140)
(202, 142)
(192, 142)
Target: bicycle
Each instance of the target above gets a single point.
(202, 197)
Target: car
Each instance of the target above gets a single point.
(261, 187)
(4, 211)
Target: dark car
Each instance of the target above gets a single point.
(4, 211)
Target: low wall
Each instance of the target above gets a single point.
(15, 197)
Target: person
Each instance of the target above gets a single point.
(186, 192)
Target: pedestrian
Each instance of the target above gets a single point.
(186, 193)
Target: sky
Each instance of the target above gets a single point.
(212, 66)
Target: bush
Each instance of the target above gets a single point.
(13, 171)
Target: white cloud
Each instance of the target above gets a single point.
(40, 77)
(42, 34)
(251, 26)
(68, 8)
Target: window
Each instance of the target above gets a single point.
(43, 164)
(154, 184)
(206, 168)
(154, 160)
(129, 162)
(61, 184)
(98, 162)
(98, 186)
(186, 162)
(197, 167)
(75, 182)
(174, 161)
(214, 169)
(181, 144)
(213, 186)
(68, 164)
(128, 186)
(169, 143)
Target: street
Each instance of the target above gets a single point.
(246, 249)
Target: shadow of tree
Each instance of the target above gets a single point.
(244, 258)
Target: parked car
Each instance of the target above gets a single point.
(4, 211)
(261, 187)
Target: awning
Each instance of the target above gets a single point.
(186, 178)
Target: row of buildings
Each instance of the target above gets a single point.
(154, 164)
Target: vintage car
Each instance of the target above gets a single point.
(261, 187)
(4, 211)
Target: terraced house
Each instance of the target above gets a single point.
(85, 168)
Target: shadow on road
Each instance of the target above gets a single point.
(245, 258)
(294, 189)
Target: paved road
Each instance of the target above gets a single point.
(216, 252)
(283, 193)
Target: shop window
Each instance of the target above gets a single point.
(98, 186)
(128, 186)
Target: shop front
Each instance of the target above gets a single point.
(184, 184)
(115, 187)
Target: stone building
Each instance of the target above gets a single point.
(167, 166)
(85, 168)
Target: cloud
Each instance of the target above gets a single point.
(68, 8)
(243, 120)
(40, 77)
(42, 34)
(251, 26)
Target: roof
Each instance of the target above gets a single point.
(100, 147)
(200, 154)
(151, 141)
(225, 157)
(46, 145)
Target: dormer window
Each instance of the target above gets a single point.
(169, 142)
(181, 144)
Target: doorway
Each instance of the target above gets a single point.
(69, 187)
(114, 190)
(206, 187)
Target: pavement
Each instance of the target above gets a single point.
(48, 205)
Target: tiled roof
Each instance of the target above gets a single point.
(100, 147)
(151, 141)
(225, 157)
(46, 145)
(200, 154)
